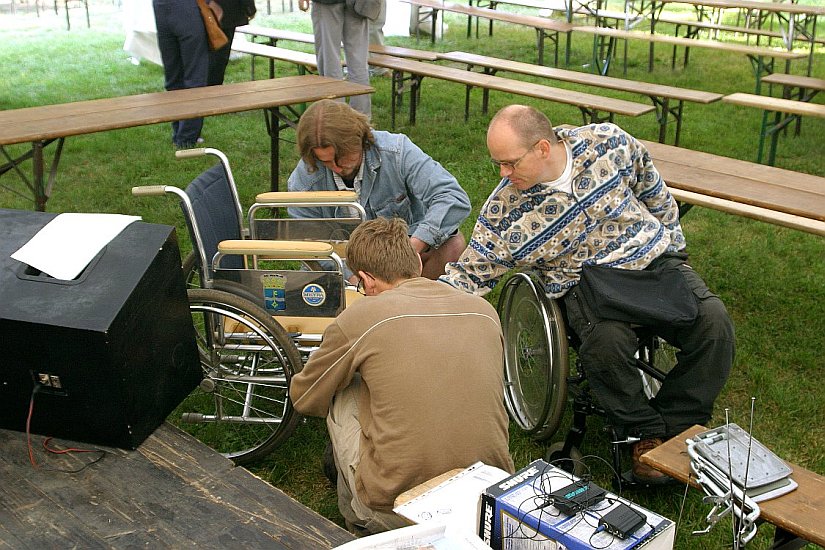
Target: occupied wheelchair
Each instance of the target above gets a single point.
(539, 380)
(257, 307)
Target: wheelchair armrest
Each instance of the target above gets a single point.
(278, 250)
(306, 197)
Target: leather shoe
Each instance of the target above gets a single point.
(642, 472)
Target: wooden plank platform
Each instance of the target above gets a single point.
(172, 492)
(798, 512)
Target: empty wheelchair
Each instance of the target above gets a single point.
(539, 380)
(242, 406)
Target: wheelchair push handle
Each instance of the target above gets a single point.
(190, 153)
(148, 190)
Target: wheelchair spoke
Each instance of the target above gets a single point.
(242, 406)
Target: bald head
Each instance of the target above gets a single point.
(526, 123)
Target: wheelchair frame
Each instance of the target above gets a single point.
(247, 355)
(539, 381)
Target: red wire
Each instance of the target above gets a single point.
(28, 431)
(68, 450)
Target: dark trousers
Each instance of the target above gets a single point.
(706, 352)
(185, 54)
(219, 59)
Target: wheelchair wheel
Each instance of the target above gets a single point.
(535, 357)
(572, 461)
(190, 271)
(242, 407)
(655, 358)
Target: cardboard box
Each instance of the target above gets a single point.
(517, 513)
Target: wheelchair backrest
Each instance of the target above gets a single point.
(215, 210)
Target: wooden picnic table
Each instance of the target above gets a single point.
(172, 492)
(794, 17)
(785, 111)
(774, 195)
(796, 515)
(45, 124)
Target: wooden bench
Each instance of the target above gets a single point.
(693, 27)
(762, 58)
(306, 61)
(773, 195)
(171, 492)
(273, 35)
(785, 111)
(303, 60)
(800, 88)
(43, 125)
(545, 28)
(660, 95)
(795, 515)
(590, 105)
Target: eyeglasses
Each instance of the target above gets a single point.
(511, 165)
(359, 287)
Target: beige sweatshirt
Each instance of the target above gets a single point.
(431, 362)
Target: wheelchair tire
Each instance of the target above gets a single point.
(536, 362)
(190, 271)
(242, 407)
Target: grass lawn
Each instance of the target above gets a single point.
(771, 279)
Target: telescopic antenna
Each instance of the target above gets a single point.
(734, 526)
(748, 460)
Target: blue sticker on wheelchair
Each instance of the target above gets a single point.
(314, 295)
(274, 286)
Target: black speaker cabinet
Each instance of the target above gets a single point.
(112, 352)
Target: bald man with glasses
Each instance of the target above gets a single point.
(591, 196)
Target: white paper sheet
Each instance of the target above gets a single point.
(432, 536)
(66, 245)
(455, 501)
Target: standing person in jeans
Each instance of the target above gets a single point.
(333, 22)
(230, 14)
(184, 50)
(409, 378)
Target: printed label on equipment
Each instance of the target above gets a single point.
(314, 295)
(274, 286)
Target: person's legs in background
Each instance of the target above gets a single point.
(376, 37)
(356, 52)
(219, 59)
(328, 28)
(185, 55)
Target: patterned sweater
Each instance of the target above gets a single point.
(618, 212)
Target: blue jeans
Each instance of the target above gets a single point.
(185, 54)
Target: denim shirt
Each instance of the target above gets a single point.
(400, 180)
